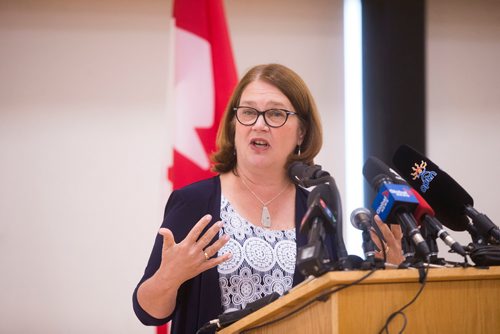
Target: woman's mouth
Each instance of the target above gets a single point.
(258, 143)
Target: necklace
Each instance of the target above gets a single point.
(265, 217)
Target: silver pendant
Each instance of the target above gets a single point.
(266, 217)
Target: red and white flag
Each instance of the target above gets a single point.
(205, 76)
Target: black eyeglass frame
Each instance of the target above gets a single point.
(263, 113)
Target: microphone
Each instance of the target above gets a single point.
(313, 259)
(226, 319)
(306, 175)
(423, 212)
(312, 175)
(450, 201)
(362, 219)
(394, 202)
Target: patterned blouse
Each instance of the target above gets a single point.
(263, 260)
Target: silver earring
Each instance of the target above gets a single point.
(298, 151)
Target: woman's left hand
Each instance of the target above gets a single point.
(392, 243)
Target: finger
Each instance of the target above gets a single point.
(215, 261)
(168, 238)
(376, 240)
(213, 249)
(209, 235)
(397, 232)
(195, 232)
(377, 227)
(386, 232)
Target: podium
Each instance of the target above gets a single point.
(454, 300)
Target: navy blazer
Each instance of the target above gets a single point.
(199, 299)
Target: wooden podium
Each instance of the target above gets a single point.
(454, 300)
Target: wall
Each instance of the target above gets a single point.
(85, 136)
(85, 141)
(463, 104)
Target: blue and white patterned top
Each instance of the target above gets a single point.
(263, 260)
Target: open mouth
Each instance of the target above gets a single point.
(259, 143)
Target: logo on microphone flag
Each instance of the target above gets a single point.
(204, 78)
(420, 171)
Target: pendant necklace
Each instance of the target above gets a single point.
(265, 217)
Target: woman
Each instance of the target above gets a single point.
(232, 239)
(270, 121)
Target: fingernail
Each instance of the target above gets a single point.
(220, 224)
(209, 217)
(225, 237)
(229, 255)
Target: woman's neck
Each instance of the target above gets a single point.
(263, 177)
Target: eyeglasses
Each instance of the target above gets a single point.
(274, 118)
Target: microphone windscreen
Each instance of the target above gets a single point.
(299, 172)
(441, 191)
(423, 208)
(296, 171)
(374, 169)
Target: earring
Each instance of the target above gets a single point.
(298, 150)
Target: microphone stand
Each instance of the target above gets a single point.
(430, 236)
(412, 259)
(371, 262)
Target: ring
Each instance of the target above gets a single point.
(206, 256)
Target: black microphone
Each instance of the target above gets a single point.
(312, 175)
(423, 213)
(306, 175)
(394, 202)
(226, 319)
(313, 258)
(450, 201)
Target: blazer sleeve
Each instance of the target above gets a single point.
(183, 210)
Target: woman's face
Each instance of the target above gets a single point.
(259, 145)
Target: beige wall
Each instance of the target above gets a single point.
(463, 100)
(85, 141)
(85, 135)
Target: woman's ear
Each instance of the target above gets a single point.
(301, 135)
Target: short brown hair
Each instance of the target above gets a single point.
(295, 89)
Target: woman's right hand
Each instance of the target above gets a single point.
(190, 257)
(180, 262)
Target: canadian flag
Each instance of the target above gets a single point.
(205, 76)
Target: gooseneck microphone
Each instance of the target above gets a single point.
(450, 201)
(394, 202)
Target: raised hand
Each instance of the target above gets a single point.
(391, 244)
(190, 257)
(180, 262)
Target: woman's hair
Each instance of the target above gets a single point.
(294, 88)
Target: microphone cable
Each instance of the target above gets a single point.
(423, 280)
(322, 297)
(485, 255)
